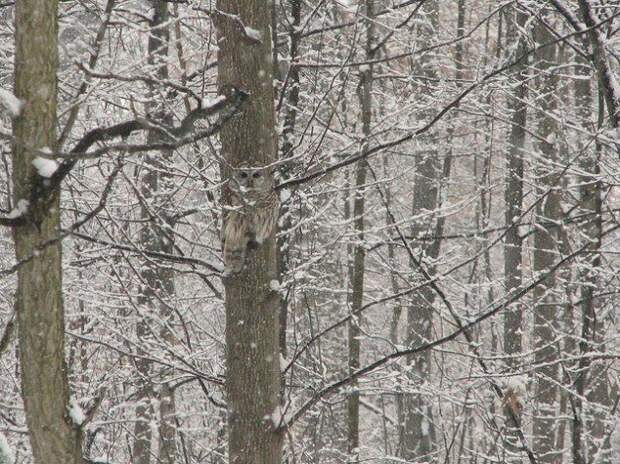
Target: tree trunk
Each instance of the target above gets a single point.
(591, 380)
(547, 303)
(359, 253)
(607, 81)
(513, 249)
(157, 236)
(418, 433)
(252, 307)
(39, 302)
(288, 131)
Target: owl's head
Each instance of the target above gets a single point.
(252, 181)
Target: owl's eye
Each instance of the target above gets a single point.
(256, 175)
(243, 174)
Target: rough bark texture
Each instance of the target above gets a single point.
(39, 303)
(288, 129)
(513, 198)
(157, 236)
(359, 253)
(604, 72)
(252, 308)
(547, 300)
(591, 381)
(591, 377)
(418, 431)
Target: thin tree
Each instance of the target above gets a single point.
(418, 431)
(589, 433)
(547, 303)
(157, 236)
(359, 252)
(286, 153)
(513, 198)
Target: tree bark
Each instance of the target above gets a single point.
(607, 81)
(157, 236)
(591, 382)
(288, 130)
(39, 301)
(513, 249)
(359, 252)
(252, 307)
(547, 303)
(418, 433)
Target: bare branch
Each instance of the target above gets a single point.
(453, 104)
(601, 64)
(515, 296)
(42, 188)
(7, 334)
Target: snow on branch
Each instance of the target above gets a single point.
(11, 103)
(6, 454)
(248, 34)
(51, 174)
(400, 352)
(17, 215)
(227, 106)
(45, 167)
(146, 79)
(76, 412)
(253, 34)
(366, 154)
(598, 56)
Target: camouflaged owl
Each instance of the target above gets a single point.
(251, 216)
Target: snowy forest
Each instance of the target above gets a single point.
(309, 231)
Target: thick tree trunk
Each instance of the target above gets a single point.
(39, 303)
(513, 249)
(252, 307)
(547, 299)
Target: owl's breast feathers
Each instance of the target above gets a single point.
(251, 198)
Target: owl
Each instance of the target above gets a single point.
(251, 216)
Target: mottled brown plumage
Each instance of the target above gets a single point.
(251, 217)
